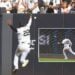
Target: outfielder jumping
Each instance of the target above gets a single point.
(67, 47)
(23, 47)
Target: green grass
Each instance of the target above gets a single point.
(55, 60)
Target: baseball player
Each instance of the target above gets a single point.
(67, 47)
(23, 47)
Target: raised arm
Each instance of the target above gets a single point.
(29, 22)
(9, 23)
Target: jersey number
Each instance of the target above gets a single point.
(27, 32)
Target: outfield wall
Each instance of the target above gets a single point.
(34, 67)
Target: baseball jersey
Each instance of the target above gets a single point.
(67, 43)
(24, 33)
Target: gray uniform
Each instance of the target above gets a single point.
(67, 46)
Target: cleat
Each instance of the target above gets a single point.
(15, 70)
(25, 63)
(65, 58)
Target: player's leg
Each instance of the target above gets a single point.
(71, 51)
(24, 55)
(16, 59)
(64, 53)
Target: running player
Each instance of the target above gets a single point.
(67, 47)
(23, 47)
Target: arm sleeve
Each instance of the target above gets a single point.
(29, 22)
(13, 28)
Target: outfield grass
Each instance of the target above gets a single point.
(55, 60)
